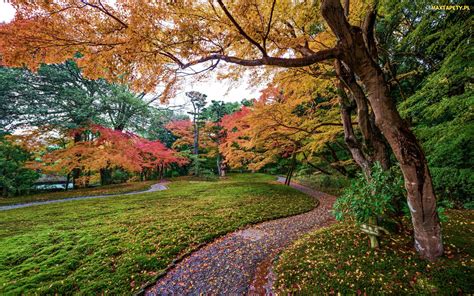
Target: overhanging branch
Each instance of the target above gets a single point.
(270, 61)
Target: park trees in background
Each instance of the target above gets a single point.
(59, 95)
(15, 176)
(210, 135)
(59, 100)
(54, 95)
(215, 131)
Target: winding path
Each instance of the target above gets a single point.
(156, 187)
(240, 262)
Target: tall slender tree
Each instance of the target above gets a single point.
(198, 101)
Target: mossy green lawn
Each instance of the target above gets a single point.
(115, 244)
(93, 191)
(338, 259)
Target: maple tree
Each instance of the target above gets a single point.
(281, 125)
(183, 130)
(115, 43)
(235, 147)
(101, 150)
(214, 130)
(185, 133)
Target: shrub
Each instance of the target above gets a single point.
(120, 176)
(363, 200)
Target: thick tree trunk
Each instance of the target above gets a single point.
(407, 150)
(349, 135)
(373, 143)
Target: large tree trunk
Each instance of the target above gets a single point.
(358, 54)
(373, 143)
(349, 135)
(407, 150)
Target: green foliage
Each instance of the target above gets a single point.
(441, 110)
(120, 176)
(337, 260)
(114, 245)
(437, 95)
(55, 95)
(199, 169)
(456, 185)
(469, 205)
(155, 128)
(15, 178)
(366, 199)
(58, 95)
(217, 109)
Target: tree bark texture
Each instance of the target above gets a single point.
(355, 53)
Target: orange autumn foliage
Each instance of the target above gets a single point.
(184, 131)
(278, 126)
(104, 148)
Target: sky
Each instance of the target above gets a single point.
(213, 88)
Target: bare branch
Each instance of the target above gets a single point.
(269, 26)
(104, 10)
(271, 61)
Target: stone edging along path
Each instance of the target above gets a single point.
(156, 187)
(240, 262)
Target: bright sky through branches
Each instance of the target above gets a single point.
(7, 12)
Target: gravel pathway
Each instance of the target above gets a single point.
(240, 262)
(153, 188)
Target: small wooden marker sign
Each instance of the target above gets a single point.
(370, 229)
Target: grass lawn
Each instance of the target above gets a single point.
(338, 259)
(114, 245)
(102, 190)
